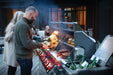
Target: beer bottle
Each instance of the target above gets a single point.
(91, 60)
(84, 65)
(80, 64)
(72, 65)
(91, 65)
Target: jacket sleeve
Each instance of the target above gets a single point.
(24, 38)
(9, 34)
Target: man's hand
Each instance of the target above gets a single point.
(45, 46)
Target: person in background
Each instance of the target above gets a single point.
(46, 33)
(34, 30)
(9, 48)
(24, 44)
(35, 33)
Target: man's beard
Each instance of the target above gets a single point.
(31, 20)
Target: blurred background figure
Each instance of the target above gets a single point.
(35, 33)
(9, 54)
(46, 33)
(35, 30)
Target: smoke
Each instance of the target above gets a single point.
(43, 7)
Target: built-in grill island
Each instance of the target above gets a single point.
(71, 36)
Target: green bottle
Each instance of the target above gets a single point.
(72, 65)
(80, 64)
(91, 59)
(93, 63)
(78, 57)
(84, 65)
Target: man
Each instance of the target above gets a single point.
(23, 40)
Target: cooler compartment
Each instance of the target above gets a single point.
(105, 64)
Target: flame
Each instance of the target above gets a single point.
(54, 39)
(55, 33)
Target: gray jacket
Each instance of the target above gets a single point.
(23, 39)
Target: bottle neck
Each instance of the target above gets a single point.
(82, 59)
(93, 63)
(69, 58)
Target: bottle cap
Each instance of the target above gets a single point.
(85, 64)
(97, 59)
(93, 57)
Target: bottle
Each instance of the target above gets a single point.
(78, 57)
(91, 65)
(79, 51)
(80, 64)
(91, 60)
(72, 65)
(84, 65)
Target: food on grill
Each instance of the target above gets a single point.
(63, 53)
(52, 45)
(59, 54)
(47, 43)
(66, 54)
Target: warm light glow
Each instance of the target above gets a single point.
(14, 11)
(66, 17)
(55, 33)
(82, 15)
(67, 9)
(53, 38)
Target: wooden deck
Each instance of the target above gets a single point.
(37, 68)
